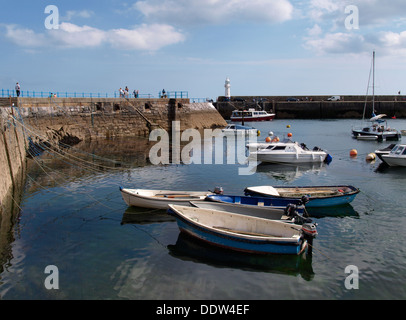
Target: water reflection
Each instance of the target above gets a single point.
(337, 211)
(87, 159)
(189, 249)
(289, 172)
(135, 215)
(383, 167)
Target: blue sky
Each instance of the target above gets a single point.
(265, 47)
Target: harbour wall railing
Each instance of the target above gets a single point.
(5, 93)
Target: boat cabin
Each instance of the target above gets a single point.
(249, 113)
(399, 150)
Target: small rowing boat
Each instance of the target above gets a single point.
(159, 199)
(287, 214)
(318, 196)
(255, 201)
(241, 232)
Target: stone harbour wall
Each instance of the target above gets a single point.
(75, 119)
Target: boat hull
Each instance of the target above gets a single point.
(137, 198)
(341, 198)
(233, 241)
(377, 136)
(249, 119)
(291, 158)
(255, 201)
(273, 213)
(394, 161)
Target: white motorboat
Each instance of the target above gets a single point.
(251, 115)
(385, 150)
(289, 151)
(396, 157)
(240, 129)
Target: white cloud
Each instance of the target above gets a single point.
(73, 36)
(337, 43)
(24, 37)
(387, 43)
(181, 12)
(80, 14)
(145, 37)
(380, 27)
(315, 31)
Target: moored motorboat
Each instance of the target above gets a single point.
(377, 128)
(251, 115)
(240, 129)
(396, 157)
(385, 150)
(318, 196)
(288, 151)
(159, 199)
(241, 232)
(376, 131)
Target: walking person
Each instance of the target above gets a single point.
(18, 88)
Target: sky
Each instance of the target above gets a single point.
(265, 47)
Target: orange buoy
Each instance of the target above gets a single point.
(353, 153)
(276, 139)
(289, 135)
(268, 139)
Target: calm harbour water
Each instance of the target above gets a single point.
(73, 217)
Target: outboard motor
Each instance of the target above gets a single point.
(304, 199)
(291, 211)
(218, 190)
(309, 232)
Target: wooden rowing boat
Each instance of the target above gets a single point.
(318, 196)
(242, 232)
(159, 199)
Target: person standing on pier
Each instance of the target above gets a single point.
(18, 88)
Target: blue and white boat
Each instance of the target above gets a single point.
(258, 201)
(241, 232)
(318, 196)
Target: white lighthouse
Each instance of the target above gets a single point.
(227, 86)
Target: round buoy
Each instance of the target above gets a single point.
(288, 126)
(268, 139)
(270, 133)
(370, 156)
(353, 153)
(289, 135)
(258, 133)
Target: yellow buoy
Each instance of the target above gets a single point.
(288, 126)
(370, 156)
(353, 153)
